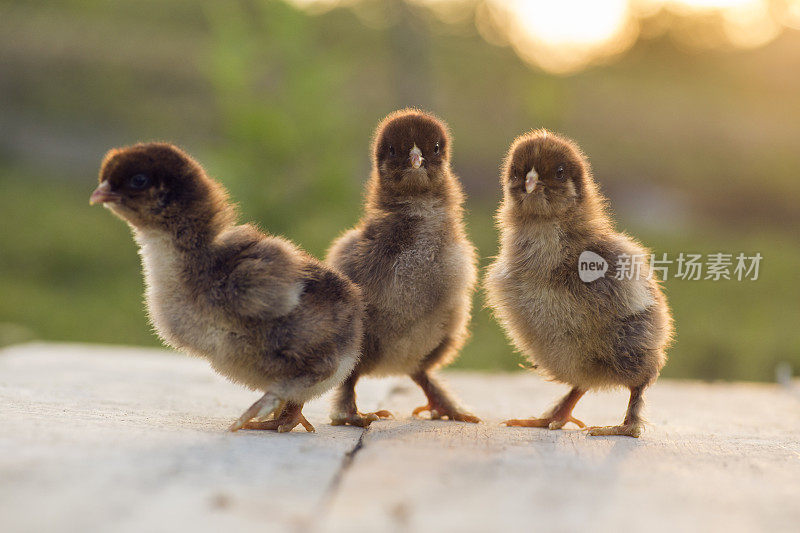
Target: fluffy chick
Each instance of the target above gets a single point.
(604, 333)
(264, 313)
(415, 266)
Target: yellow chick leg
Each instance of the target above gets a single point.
(557, 417)
(632, 426)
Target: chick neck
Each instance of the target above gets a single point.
(444, 193)
(584, 220)
(192, 231)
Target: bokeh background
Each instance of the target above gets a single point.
(688, 109)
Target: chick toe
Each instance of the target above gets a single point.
(546, 422)
(558, 424)
(307, 425)
(265, 406)
(290, 417)
(528, 422)
(359, 419)
(451, 413)
(626, 430)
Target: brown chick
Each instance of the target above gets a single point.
(596, 334)
(414, 264)
(264, 313)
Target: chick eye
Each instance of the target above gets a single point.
(436, 148)
(138, 181)
(391, 150)
(560, 172)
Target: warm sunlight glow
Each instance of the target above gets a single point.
(708, 5)
(566, 36)
(569, 22)
(317, 6)
(750, 25)
(789, 14)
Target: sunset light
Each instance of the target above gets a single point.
(569, 35)
(566, 36)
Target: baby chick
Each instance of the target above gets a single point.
(263, 312)
(413, 262)
(590, 335)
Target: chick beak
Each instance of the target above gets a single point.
(416, 157)
(531, 180)
(103, 194)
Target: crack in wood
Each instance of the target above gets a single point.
(336, 482)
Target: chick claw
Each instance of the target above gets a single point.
(547, 422)
(625, 430)
(265, 406)
(282, 424)
(359, 419)
(452, 414)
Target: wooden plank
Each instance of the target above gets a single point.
(715, 458)
(112, 439)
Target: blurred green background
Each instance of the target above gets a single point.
(696, 142)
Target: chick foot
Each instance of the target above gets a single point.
(626, 430)
(440, 403)
(359, 419)
(555, 418)
(268, 404)
(632, 425)
(290, 417)
(451, 413)
(546, 422)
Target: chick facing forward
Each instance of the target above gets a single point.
(264, 313)
(411, 258)
(608, 332)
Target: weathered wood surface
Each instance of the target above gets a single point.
(112, 439)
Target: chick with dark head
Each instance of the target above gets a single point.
(590, 334)
(263, 312)
(415, 266)
(411, 155)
